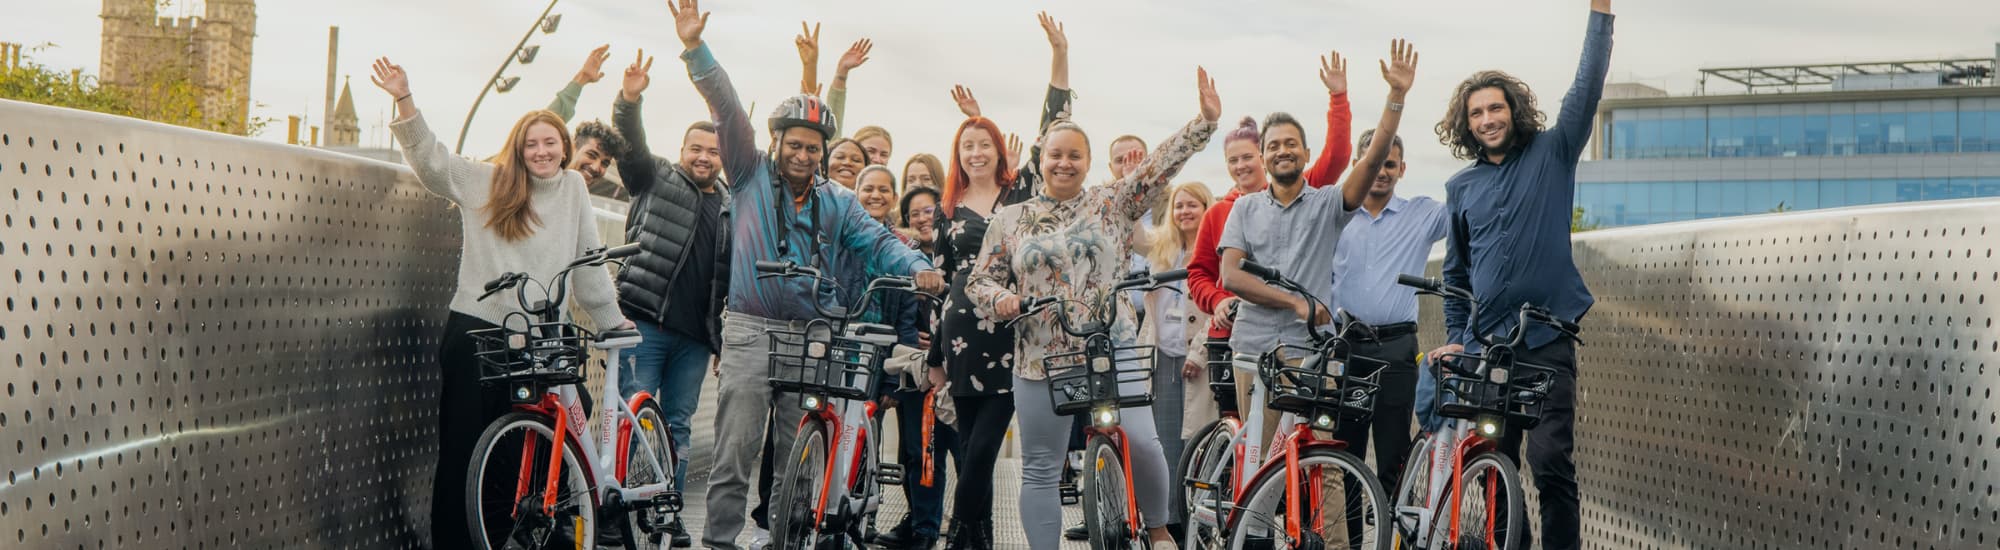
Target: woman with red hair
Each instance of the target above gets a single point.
(974, 354)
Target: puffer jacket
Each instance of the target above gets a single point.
(662, 219)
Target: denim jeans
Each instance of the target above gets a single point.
(926, 503)
(671, 366)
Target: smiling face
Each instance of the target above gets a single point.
(1284, 153)
(542, 151)
(701, 155)
(799, 153)
(1120, 165)
(1065, 163)
(978, 155)
(918, 174)
(1246, 165)
(877, 149)
(1187, 211)
(877, 193)
(590, 160)
(923, 214)
(846, 162)
(1492, 120)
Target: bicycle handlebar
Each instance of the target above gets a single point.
(768, 268)
(1136, 280)
(558, 290)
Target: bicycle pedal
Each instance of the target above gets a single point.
(668, 502)
(889, 474)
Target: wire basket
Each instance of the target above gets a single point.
(549, 354)
(1321, 382)
(1082, 380)
(816, 361)
(1221, 372)
(1519, 395)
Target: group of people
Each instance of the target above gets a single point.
(992, 225)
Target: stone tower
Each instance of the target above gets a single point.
(213, 49)
(344, 128)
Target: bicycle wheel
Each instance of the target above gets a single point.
(1411, 496)
(505, 487)
(1360, 519)
(650, 458)
(1209, 460)
(1104, 496)
(1491, 513)
(795, 493)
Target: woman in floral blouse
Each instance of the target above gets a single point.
(1073, 243)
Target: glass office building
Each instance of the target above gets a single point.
(1796, 138)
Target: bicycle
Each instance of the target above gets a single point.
(1088, 381)
(1279, 504)
(828, 494)
(1480, 486)
(533, 483)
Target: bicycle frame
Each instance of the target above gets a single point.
(853, 422)
(1292, 439)
(565, 405)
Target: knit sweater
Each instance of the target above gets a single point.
(568, 228)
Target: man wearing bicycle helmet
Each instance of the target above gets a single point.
(784, 210)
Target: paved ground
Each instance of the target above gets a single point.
(1007, 532)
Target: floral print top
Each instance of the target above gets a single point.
(1075, 249)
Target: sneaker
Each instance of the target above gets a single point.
(760, 539)
(1077, 533)
(679, 534)
(902, 536)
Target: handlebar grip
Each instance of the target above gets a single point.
(1260, 271)
(1166, 277)
(621, 251)
(1417, 282)
(768, 266)
(495, 284)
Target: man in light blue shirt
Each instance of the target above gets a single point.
(1390, 236)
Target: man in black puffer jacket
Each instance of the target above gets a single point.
(674, 289)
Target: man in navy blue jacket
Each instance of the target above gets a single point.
(1509, 244)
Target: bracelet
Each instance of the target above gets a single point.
(400, 99)
(1393, 106)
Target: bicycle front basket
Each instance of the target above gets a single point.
(817, 361)
(549, 354)
(1115, 376)
(1313, 383)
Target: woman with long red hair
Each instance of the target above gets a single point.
(521, 212)
(974, 354)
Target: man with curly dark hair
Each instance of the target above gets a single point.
(1509, 244)
(597, 145)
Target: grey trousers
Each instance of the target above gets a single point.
(1045, 439)
(1168, 387)
(744, 401)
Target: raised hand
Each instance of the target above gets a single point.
(855, 56)
(593, 67)
(1333, 72)
(689, 21)
(966, 103)
(391, 78)
(1211, 104)
(1132, 157)
(1013, 147)
(1401, 68)
(808, 44)
(1057, 39)
(637, 77)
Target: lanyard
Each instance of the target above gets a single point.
(781, 206)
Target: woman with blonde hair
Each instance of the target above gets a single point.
(523, 213)
(1165, 325)
(922, 171)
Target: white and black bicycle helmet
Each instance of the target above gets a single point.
(804, 110)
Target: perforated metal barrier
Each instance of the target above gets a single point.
(1810, 380)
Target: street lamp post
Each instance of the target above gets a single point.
(546, 24)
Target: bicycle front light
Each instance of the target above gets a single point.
(1489, 425)
(1106, 417)
(1323, 421)
(810, 403)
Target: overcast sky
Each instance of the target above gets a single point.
(1132, 61)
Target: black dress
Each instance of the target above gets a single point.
(978, 355)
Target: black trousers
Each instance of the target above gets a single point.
(464, 409)
(1550, 445)
(926, 503)
(982, 428)
(1394, 408)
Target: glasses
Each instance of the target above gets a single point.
(923, 211)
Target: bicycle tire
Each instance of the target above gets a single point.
(1210, 460)
(796, 491)
(649, 433)
(1473, 505)
(1264, 503)
(1105, 503)
(577, 511)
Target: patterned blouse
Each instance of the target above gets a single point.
(1076, 249)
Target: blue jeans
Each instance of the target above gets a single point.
(671, 366)
(926, 503)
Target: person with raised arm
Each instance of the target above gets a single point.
(521, 213)
(975, 354)
(782, 210)
(1509, 215)
(597, 144)
(1074, 243)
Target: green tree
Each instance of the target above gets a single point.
(1580, 222)
(164, 94)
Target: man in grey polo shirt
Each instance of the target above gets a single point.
(1391, 237)
(1294, 228)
